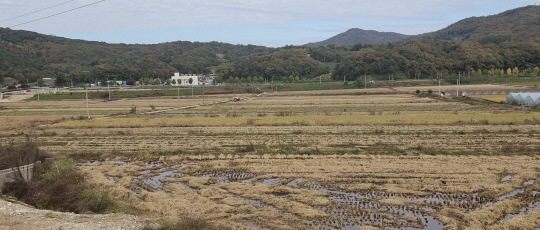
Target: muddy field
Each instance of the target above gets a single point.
(333, 192)
(382, 158)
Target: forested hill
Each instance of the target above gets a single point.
(358, 36)
(26, 56)
(517, 25)
(486, 45)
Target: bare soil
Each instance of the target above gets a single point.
(18, 216)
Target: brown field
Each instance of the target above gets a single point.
(335, 159)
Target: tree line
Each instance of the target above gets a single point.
(26, 57)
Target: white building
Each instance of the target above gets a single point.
(183, 79)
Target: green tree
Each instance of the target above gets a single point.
(173, 81)
(359, 83)
(536, 70)
(297, 79)
(190, 81)
(19, 77)
(218, 79)
(40, 82)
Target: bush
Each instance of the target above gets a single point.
(58, 185)
(13, 155)
(133, 109)
(430, 91)
(417, 91)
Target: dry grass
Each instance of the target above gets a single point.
(14, 122)
(285, 206)
(414, 119)
(292, 160)
(494, 98)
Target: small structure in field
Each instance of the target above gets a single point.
(525, 99)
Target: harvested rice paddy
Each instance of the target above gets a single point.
(336, 159)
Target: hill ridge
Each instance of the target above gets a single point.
(355, 36)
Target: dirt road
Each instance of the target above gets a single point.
(17, 216)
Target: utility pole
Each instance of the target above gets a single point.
(87, 108)
(439, 77)
(457, 84)
(203, 92)
(178, 89)
(365, 81)
(109, 89)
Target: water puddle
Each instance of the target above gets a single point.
(272, 181)
(529, 182)
(111, 178)
(152, 164)
(506, 178)
(294, 183)
(254, 202)
(226, 177)
(511, 194)
(120, 162)
(522, 211)
(248, 181)
(155, 180)
(255, 226)
(353, 210)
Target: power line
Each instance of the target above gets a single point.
(57, 13)
(36, 11)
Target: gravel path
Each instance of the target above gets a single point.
(17, 216)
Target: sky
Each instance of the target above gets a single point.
(272, 23)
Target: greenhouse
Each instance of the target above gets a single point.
(525, 99)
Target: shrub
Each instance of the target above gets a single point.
(133, 109)
(13, 155)
(417, 91)
(430, 91)
(58, 185)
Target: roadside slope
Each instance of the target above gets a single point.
(17, 216)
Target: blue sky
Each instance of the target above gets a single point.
(272, 23)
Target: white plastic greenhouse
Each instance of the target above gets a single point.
(525, 99)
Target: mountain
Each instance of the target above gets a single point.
(517, 25)
(487, 45)
(359, 36)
